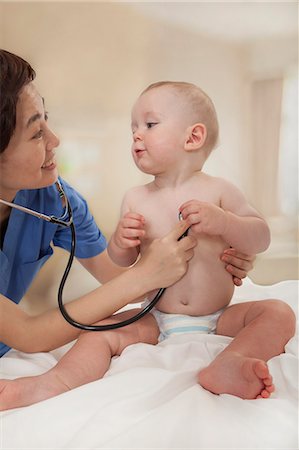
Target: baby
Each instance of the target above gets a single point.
(175, 127)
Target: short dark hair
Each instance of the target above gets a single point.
(15, 73)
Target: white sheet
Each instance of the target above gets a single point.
(149, 399)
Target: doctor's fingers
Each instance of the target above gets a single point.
(177, 232)
(240, 260)
(238, 254)
(187, 245)
(188, 242)
(235, 272)
(188, 254)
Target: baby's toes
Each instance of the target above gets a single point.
(267, 391)
(268, 381)
(269, 386)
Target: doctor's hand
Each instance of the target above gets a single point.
(166, 259)
(237, 264)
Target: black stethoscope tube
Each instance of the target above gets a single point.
(70, 224)
(109, 326)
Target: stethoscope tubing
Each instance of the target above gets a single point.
(70, 224)
(53, 219)
(104, 327)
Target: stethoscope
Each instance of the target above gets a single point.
(66, 220)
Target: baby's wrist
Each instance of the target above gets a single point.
(124, 257)
(226, 223)
(114, 241)
(114, 250)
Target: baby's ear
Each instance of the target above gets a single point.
(196, 136)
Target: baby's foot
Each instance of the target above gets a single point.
(26, 391)
(232, 373)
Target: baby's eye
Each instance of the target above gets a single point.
(151, 124)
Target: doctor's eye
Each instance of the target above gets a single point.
(38, 135)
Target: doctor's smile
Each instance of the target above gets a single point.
(50, 164)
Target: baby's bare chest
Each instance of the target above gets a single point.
(161, 213)
(161, 210)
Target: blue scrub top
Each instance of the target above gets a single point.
(27, 241)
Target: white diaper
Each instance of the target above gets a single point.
(172, 324)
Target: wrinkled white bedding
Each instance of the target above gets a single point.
(149, 399)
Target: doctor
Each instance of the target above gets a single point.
(28, 171)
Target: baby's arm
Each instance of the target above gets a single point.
(238, 223)
(123, 247)
(246, 229)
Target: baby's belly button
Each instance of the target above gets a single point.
(184, 302)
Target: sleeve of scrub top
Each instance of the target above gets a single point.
(89, 239)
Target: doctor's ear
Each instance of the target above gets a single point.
(196, 136)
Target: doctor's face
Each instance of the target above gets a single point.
(29, 160)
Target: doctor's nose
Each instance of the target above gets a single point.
(53, 141)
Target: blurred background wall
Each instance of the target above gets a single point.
(92, 60)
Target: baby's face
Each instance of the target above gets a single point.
(159, 127)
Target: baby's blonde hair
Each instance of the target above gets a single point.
(201, 105)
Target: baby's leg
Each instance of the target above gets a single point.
(88, 360)
(261, 330)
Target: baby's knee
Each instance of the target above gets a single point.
(148, 330)
(282, 314)
(144, 330)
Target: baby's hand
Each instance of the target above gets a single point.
(204, 217)
(129, 230)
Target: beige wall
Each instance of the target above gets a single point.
(92, 60)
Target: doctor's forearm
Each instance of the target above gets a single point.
(28, 333)
(164, 262)
(49, 330)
